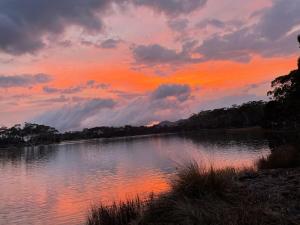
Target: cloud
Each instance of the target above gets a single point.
(211, 22)
(105, 44)
(156, 54)
(172, 7)
(44, 102)
(278, 20)
(168, 101)
(25, 24)
(72, 117)
(110, 43)
(179, 91)
(75, 89)
(23, 80)
(271, 36)
(178, 24)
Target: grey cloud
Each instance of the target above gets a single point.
(71, 90)
(278, 20)
(178, 24)
(141, 110)
(156, 54)
(269, 37)
(23, 80)
(75, 89)
(172, 7)
(273, 35)
(156, 106)
(24, 24)
(125, 94)
(211, 22)
(180, 91)
(71, 117)
(241, 45)
(110, 43)
(44, 102)
(105, 44)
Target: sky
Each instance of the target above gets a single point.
(73, 64)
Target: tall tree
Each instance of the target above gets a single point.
(284, 108)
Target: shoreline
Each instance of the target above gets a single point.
(218, 130)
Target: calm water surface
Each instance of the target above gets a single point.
(57, 184)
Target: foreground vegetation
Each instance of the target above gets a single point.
(217, 197)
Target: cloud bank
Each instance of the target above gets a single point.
(272, 35)
(26, 25)
(72, 117)
(168, 101)
(23, 80)
(75, 89)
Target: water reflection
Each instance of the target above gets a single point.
(57, 184)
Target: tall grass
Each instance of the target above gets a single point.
(193, 181)
(117, 214)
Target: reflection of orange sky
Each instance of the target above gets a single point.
(72, 202)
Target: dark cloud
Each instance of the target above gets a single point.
(23, 80)
(105, 44)
(44, 102)
(278, 20)
(75, 89)
(156, 54)
(72, 117)
(24, 24)
(172, 7)
(126, 94)
(181, 92)
(110, 43)
(211, 22)
(271, 36)
(178, 24)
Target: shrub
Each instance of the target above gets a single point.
(283, 157)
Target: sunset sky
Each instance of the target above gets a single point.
(83, 63)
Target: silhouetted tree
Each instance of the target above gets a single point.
(284, 108)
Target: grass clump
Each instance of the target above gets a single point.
(194, 182)
(122, 213)
(282, 157)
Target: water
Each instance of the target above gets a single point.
(57, 184)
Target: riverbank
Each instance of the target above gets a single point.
(215, 197)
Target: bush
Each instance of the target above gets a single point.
(283, 157)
